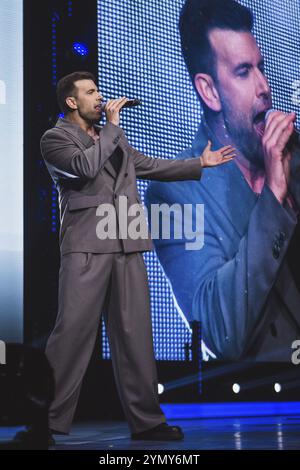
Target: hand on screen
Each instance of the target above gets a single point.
(217, 157)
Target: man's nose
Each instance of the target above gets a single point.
(262, 85)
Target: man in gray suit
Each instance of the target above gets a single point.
(96, 168)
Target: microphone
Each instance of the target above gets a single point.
(128, 104)
(295, 137)
(131, 103)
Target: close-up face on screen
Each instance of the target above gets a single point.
(212, 75)
(149, 231)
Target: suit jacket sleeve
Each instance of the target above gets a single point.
(294, 185)
(226, 294)
(67, 159)
(163, 169)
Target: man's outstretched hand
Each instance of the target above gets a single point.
(218, 157)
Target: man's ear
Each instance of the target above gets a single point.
(205, 86)
(71, 102)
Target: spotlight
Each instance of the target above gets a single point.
(161, 389)
(277, 387)
(236, 388)
(80, 49)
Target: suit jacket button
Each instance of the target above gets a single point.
(282, 236)
(276, 251)
(126, 174)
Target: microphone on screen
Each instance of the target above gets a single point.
(128, 104)
(295, 137)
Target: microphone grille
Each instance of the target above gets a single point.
(269, 112)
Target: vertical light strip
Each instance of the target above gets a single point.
(11, 170)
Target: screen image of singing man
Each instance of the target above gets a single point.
(243, 285)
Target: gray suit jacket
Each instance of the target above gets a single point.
(85, 178)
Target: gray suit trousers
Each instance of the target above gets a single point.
(116, 285)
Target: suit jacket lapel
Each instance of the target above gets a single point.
(76, 131)
(239, 211)
(288, 291)
(87, 141)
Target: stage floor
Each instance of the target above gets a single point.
(235, 433)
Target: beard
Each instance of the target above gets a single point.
(240, 128)
(90, 116)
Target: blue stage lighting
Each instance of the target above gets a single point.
(80, 49)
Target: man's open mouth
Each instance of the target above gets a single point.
(259, 122)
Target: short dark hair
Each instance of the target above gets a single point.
(66, 87)
(197, 19)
